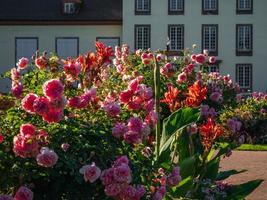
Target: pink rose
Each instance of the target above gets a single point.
(125, 96)
(27, 102)
(65, 147)
(57, 104)
(41, 62)
(23, 193)
(122, 173)
(74, 102)
(181, 78)
(53, 89)
(132, 137)
(53, 116)
(135, 124)
(200, 59)
(112, 109)
(27, 129)
(160, 57)
(119, 129)
(113, 189)
(90, 172)
(107, 176)
(1, 138)
(15, 74)
(121, 160)
(41, 105)
(17, 90)
(212, 59)
(46, 157)
(23, 63)
(193, 57)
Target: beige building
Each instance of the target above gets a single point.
(233, 30)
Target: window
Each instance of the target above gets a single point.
(210, 38)
(109, 41)
(176, 7)
(25, 47)
(69, 8)
(244, 6)
(142, 36)
(67, 47)
(244, 76)
(211, 68)
(142, 7)
(244, 40)
(176, 36)
(210, 7)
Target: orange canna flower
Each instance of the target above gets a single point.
(171, 98)
(196, 94)
(210, 132)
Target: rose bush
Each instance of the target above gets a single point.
(94, 127)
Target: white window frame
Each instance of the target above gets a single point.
(244, 38)
(142, 36)
(210, 5)
(176, 36)
(108, 40)
(244, 5)
(58, 39)
(69, 8)
(244, 76)
(142, 5)
(210, 38)
(28, 55)
(176, 5)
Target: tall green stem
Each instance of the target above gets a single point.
(157, 103)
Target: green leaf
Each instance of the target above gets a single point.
(212, 169)
(173, 126)
(239, 192)
(184, 186)
(225, 174)
(188, 166)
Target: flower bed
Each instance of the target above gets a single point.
(140, 126)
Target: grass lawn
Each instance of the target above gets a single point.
(252, 147)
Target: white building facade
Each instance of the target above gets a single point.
(233, 30)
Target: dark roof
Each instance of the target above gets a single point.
(51, 11)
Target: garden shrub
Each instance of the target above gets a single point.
(138, 126)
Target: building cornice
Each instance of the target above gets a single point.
(45, 23)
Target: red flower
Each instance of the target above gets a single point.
(210, 132)
(196, 94)
(171, 98)
(1, 138)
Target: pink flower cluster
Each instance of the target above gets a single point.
(90, 172)
(117, 181)
(121, 59)
(23, 193)
(234, 125)
(72, 69)
(173, 179)
(187, 70)
(46, 157)
(137, 96)
(49, 107)
(259, 96)
(16, 87)
(147, 58)
(201, 59)
(134, 132)
(83, 100)
(27, 143)
(167, 70)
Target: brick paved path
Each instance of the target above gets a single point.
(255, 162)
